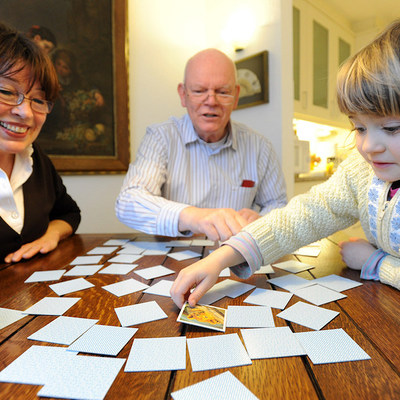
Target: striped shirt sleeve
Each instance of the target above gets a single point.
(247, 247)
(370, 270)
(140, 204)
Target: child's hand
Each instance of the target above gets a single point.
(202, 275)
(356, 252)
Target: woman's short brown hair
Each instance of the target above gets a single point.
(18, 51)
(369, 82)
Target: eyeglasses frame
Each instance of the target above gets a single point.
(22, 97)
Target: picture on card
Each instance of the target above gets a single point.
(205, 316)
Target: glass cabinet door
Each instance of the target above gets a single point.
(320, 65)
(320, 45)
(344, 51)
(296, 53)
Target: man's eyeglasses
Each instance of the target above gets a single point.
(13, 98)
(201, 95)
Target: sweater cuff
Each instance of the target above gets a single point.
(244, 244)
(370, 270)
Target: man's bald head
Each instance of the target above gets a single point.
(210, 56)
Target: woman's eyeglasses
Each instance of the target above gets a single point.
(14, 98)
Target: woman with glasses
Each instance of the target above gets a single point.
(35, 210)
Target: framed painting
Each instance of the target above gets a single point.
(252, 73)
(88, 128)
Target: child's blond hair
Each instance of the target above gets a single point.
(369, 82)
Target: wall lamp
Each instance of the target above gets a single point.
(239, 29)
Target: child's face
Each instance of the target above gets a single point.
(378, 141)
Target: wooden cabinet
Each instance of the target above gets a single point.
(320, 45)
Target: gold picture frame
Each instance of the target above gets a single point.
(252, 73)
(87, 131)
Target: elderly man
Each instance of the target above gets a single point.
(202, 173)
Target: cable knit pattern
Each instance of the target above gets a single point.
(348, 196)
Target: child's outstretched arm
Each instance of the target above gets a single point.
(202, 275)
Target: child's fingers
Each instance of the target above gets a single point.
(198, 293)
(180, 290)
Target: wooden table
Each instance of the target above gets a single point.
(370, 315)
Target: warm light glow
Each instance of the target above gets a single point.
(306, 130)
(240, 28)
(326, 142)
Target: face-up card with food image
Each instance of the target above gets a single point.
(205, 316)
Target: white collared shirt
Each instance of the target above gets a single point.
(174, 168)
(11, 193)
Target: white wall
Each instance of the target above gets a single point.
(274, 120)
(162, 36)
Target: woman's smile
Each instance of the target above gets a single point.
(14, 128)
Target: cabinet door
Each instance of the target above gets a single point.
(296, 53)
(319, 46)
(301, 56)
(343, 48)
(320, 65)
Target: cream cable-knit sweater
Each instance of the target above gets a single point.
(332, 206)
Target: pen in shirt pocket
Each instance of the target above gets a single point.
(247, 183)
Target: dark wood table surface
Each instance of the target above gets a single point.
(370, 315)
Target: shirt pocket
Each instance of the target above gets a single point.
(243, 197)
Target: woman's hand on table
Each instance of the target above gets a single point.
(56, 231)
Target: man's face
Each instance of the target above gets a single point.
(211, 74)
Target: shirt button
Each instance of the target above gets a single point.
(14, 215)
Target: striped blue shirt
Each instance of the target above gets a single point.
(174, 168)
